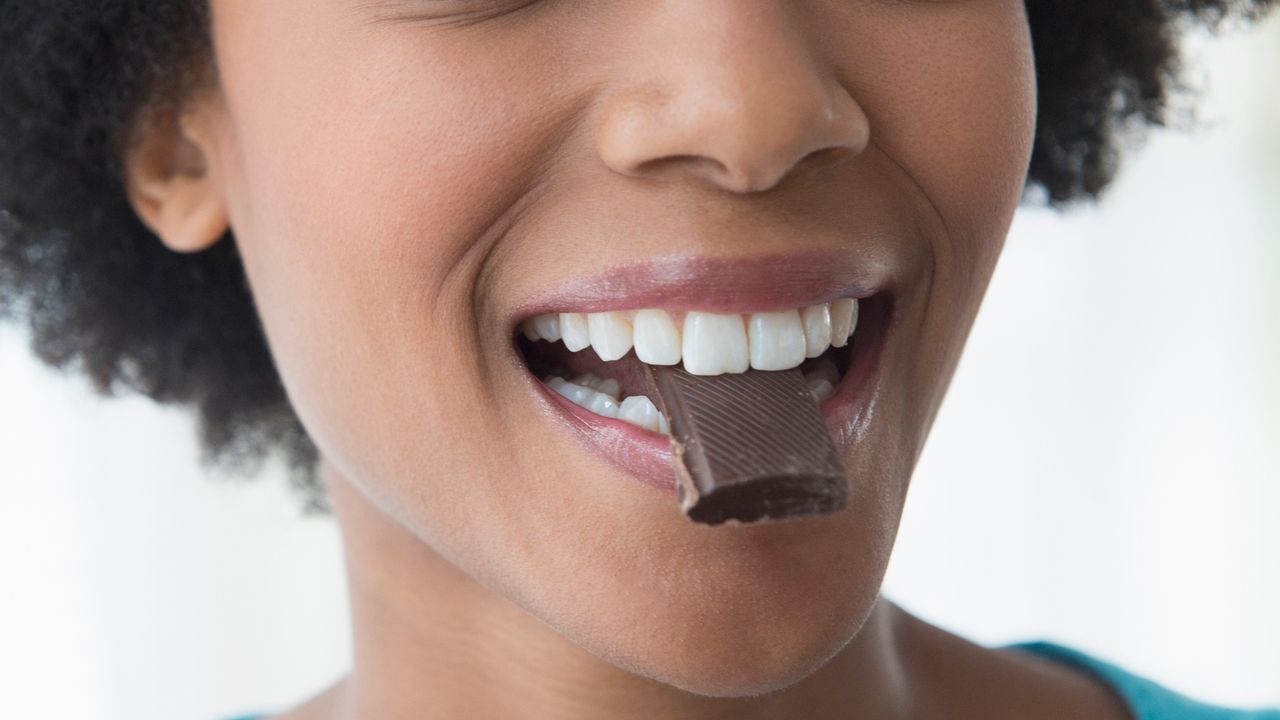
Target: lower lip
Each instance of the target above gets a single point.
(645, 456)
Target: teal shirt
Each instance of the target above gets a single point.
(1146, 699)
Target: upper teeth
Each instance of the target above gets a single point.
(708, 343)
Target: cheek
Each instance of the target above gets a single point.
(364, 199)
(959, 123)
(959, 120)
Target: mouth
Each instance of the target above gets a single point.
(587, 363)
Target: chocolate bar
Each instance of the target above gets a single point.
(749, 446)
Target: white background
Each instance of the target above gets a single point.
(1104, 472)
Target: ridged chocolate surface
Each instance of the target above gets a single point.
(749, 446)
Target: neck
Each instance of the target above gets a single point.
(429, 641)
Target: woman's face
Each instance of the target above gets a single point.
(408, 180)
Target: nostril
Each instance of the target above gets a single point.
(828, 156)
(706, 166)
(823, 160)
(712, 170)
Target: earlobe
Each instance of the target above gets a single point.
(172, 181)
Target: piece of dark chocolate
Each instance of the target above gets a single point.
(749, 446)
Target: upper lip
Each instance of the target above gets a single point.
(761, 283)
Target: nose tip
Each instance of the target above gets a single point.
(743, 128)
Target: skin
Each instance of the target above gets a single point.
(402, 176)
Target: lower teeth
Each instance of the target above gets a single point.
(602, 396)
(821, 376)
(820, 388)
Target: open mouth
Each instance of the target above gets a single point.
(596, 360)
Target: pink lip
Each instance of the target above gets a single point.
(641, 454)
(727, 285)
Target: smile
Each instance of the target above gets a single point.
(706, 343)
(587, 359)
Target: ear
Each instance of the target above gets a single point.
(172, 178)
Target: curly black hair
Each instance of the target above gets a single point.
(104, 297)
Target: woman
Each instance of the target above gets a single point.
(385, 236)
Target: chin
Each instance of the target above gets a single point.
(745, 661)
(735, 643)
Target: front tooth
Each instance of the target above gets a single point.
(610, 334)
(844, 318)
(657, 338)
(548, 326)
(777, 340)
(639, 411)
(574, 331)
(602, 404)
(714, 344)
(817, 329)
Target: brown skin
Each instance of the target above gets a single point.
(402, 175)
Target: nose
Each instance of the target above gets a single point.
(728, 91)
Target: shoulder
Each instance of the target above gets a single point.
(1145, 699)
(957, 678)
